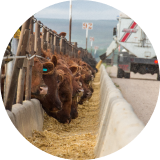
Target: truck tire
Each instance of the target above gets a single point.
(127, 75)
(158, 77)
(120, 73)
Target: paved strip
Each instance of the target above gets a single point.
(141, 91)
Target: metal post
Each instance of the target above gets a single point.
(95, 53)
(70, 22)
(91, 46)
(86, 36)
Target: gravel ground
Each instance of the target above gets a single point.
(141, 91)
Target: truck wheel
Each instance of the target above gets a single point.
(127, 75)
(158, 77)
(120, 73)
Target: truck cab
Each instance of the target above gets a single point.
(139, 55)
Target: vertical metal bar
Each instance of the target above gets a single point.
(70, 20)
(86, 36)
(91, 46)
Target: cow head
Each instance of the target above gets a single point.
(52, 79)
(87, 92)
(77, 85)
(38, 87)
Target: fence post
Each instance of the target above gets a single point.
(52, 42)
(2, 64)
(58, 44)
(30, 63)
(65, 45)
(43, 40)
(37, 47)
(20, 87)
(55, 43)
(67, 48)
(27, 66)
(21, 51)
(75, 50)
(62, 44)
(48, 40)
(71, 50)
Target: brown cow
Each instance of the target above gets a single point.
(45, 78)
(63, 34)
(65, 94)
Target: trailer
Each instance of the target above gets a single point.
(138, 55)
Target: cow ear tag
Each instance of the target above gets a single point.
(45, 69)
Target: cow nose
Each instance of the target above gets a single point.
(92, 77)
(43, 90)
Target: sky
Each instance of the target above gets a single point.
(81, 9)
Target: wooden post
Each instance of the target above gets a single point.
(75, 52)
(0, 75)
(67, 48)
(62, 44)
(21, 51)
(14, 46)
(55, 43)
(51, 42)
(58, 44)
(43, 40)
(37, 47)
(48, 40)
(30, 63)
(20, 87)
(2, 64)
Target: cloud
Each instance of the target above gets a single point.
(80, 10)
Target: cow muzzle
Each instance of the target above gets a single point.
(80, 90)
(92, 77)
(43, 90)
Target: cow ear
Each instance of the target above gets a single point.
(54, 60)
(83, 76)
(73, 69)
